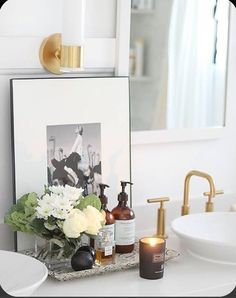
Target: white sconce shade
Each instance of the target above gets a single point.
(64, 52)
(73, 23)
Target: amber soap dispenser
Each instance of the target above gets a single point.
(104, 242)
(124, 223)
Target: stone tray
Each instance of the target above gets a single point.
(122, 262)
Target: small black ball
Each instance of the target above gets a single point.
(89, 249)
(81, 260)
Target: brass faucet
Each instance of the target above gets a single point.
(209, 203)
(211, 194)
(161, 216)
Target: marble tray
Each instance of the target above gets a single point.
(122, 262)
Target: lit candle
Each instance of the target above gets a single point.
(151, 257)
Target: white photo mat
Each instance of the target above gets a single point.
(41, 102)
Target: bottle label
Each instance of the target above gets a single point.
(105, 237)
(125, 232)
(108, 251)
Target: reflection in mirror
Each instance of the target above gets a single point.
(178, 61)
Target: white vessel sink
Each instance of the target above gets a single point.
(20, 275)
(210, 235)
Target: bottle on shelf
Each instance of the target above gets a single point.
(139, 55)
(131, 62)
(105, 242)
(124, 223)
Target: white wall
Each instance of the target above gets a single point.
(41, 18)
(157, 170)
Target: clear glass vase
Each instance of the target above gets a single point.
(52, 255)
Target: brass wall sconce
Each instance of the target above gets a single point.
(57, 58)
(63, 52)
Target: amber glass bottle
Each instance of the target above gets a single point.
(124, 223)
(104, 242)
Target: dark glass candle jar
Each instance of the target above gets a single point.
(151, 257)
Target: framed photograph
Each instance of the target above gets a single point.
(72, 131)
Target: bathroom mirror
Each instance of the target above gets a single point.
(178, 64)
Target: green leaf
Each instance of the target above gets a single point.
(90, 199)
(18, 222)
(46, 190)
(21, 215)
(38, 226)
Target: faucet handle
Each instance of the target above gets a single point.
(160, 216)
(159, 200)
(218, 192)
(209, 203)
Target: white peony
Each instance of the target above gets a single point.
(75, 223)
(95, 219)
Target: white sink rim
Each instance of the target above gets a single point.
(29, 287)
(212, 250)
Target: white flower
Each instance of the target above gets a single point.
(61, 202)
(72, 193)
(54, 204)
(45, 207)
(57, 189)
(44, 211)
(60, 213)
(95, 219)
(75, 223)
(61, 206)
(46, 200)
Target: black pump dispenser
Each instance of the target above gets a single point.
(123, 196)
(102, 197)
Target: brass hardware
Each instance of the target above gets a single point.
(71, 56)
(209, 203)
(161, 216)
(212, 193)
(53, 55)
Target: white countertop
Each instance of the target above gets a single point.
(183, 276)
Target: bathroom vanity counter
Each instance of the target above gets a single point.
(183, 276)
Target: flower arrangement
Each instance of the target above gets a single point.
(61, 215)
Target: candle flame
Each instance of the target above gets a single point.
(153, 241)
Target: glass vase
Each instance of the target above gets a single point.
(52, 255)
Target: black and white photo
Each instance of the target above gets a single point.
(74, 155)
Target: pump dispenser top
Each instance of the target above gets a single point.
(103, 197)
(123, 196)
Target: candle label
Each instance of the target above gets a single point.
(157, 258)
(125, 232)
